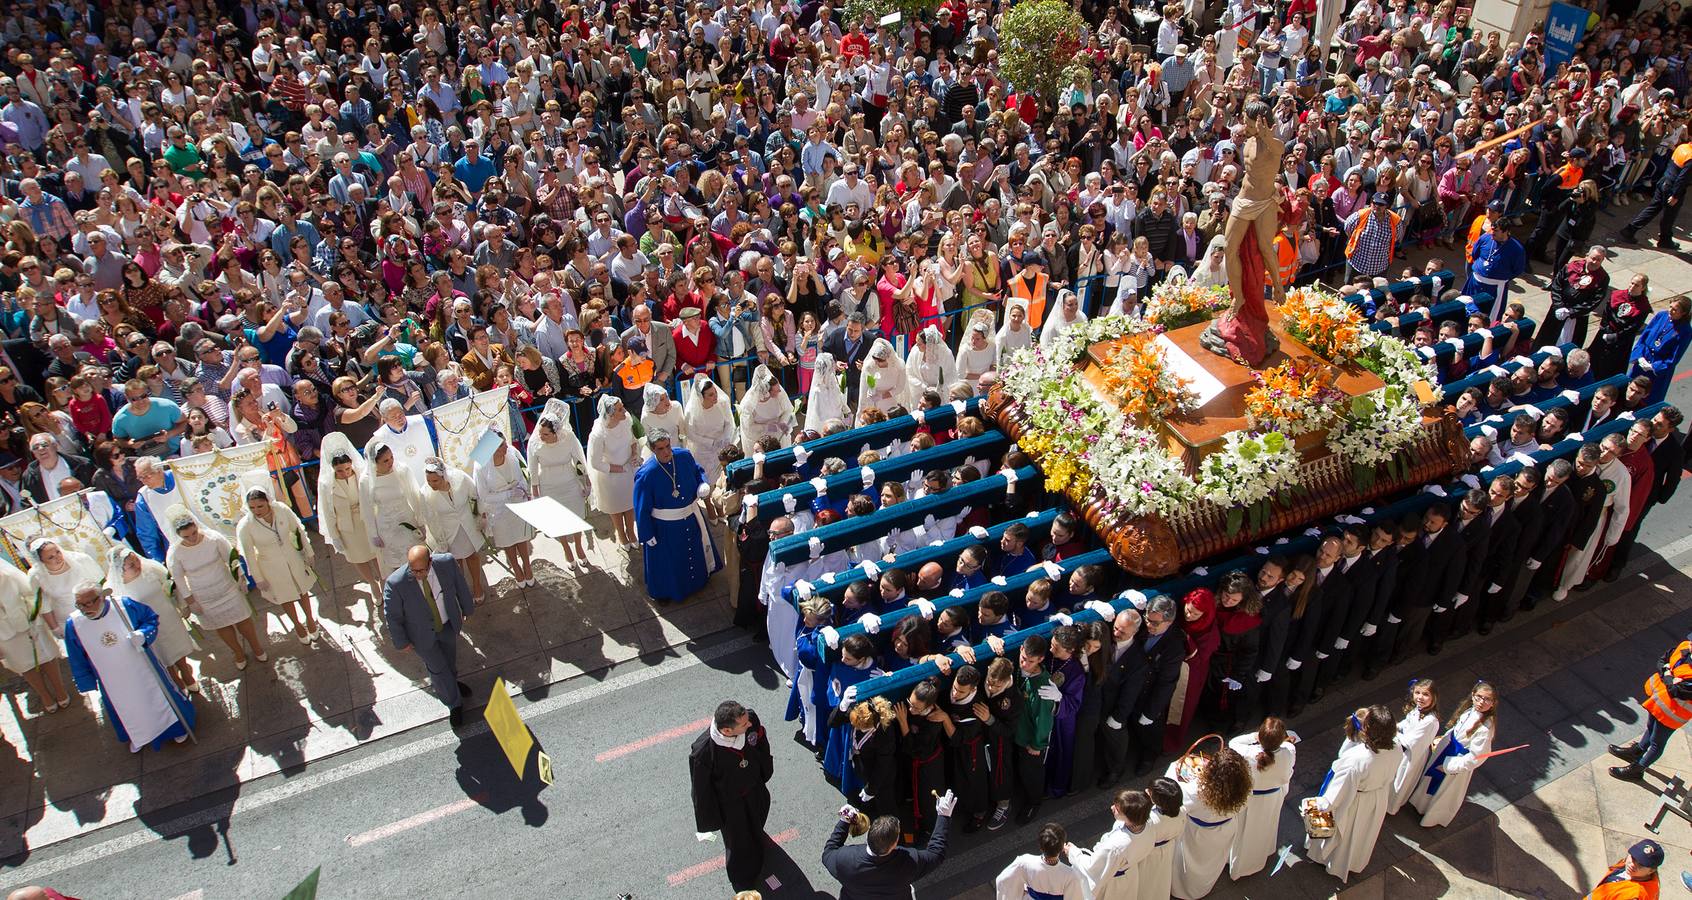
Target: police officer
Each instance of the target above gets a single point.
(1634, 877)
(1668, 698)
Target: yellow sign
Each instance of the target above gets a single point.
(545, 764)
(508, 727)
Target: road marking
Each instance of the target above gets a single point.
(142, 836)
(678, 879)
(195, 894)
(652, 741)
(422, 818)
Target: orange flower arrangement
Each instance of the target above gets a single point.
(1294, 400)
(1138, 376)
(1329, 326)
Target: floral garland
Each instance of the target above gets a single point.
(1248, 474)
(1332, 328)
(1293, 399)
(1138, 375)
(1379, 425)
(1178, 302)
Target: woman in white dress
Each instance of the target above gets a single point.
(1356, 790)
(279, 556)
(1271, 754)
(388, 504)
(1215, 796)
(658, 411)
(978, 355)
(1015, 334)
(500, 482)
(558, 469)
(709, 424)
(613, 456)
(26, 643)
(446, 506)
(827, 399)
(131, 575)
(883, 383)
(56, 574)
(928, 367)
(1444, 784)
(1418, 728)
(1067, 315)
(207, 575)
(340, 509)
(765, 411)
(1157, 871)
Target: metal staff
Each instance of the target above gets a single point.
(155, 668)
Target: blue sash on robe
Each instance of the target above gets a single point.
(1203, 824)
(1041, 895)
(1436, 775)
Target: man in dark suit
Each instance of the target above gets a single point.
(1383, 557)
(730, 766)
(426, 602)
(1318, 629)
(1119, 693)
(1474, 528)
(1502, 546)
(1429, 573)
(1360, 570)
(1164, 649)
(850, 345)
(41, 479)
(881, 869)
(1527, 504)
(1556, 516)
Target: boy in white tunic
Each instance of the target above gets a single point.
(1112, 867)
(1042, 876)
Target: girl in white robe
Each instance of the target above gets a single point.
(133, 576)
(388, 505)
(1271, 753)
(1418, 728)
(446, 506)
(883, 384)
(278, 554)
(1168, 820)
(658, 411)
(207, 573)
(613, 456)
(26, 643)
(1112, 867)
(977, 356)
(558, 469)
(1444, 784)
(1214, 797)
(500, 482)
(1356, 790)
(55, 575)
(928, 367)
(827, 400)
(1015, 334)
(1067, 315)
(765, 411)
(340, 515)
(709, 424)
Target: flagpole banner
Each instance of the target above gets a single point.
(213, 485)
(66, 521)
(1564, 26)
(461, 423)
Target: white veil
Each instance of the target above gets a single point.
(776, 406)
(334, 444)
(827, 399)
(937, 372)
(714, 425)
(896, 392)
(1009, 342)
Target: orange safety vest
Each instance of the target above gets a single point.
(634, 372)
(1021, 288)
(1287, 255)
(1363, 222)
(1570, 175)
(1672, 713)
(1682, 154)
(1625, 888)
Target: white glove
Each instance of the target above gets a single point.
(1562, 313)
(1313, 532)
(1137, 598)
(801, 456)
(955, 592)
(1105, 610)
(703, 836)
(1293, 664)
(1321, 655)
(1063, 619)
(1231, 684)
(999, 580)
(924, 608)
(652, 542)
(830, 636)
(804, 589)
(820, 485)
(758, 458)
(1434, 489)
(1052, 570)
(1367, 631)
(977, 532)
(1645, 364)
(1440, 609)
(1281, 540)
(137, 640)
(944, 805)
(848, 698)
(1341, 643)
(865, 795)
(1571, 396)
(1261, 551)
(1263, 676)
(1533, 565)
(1112, 724)
(871, 568)
(1394, 620)
(871, 622)
(1493, 588)
(1201, 571)
(1473, 482)
(1461, 599)
(1145, 721)
(848, 814)
(1050, 692)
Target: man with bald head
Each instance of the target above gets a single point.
(930, 582)
(425, 603)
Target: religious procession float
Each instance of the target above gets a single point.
(1175, 448)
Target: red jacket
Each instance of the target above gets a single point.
(689, 353)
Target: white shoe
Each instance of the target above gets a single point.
(182, 739)
(1560, 596)
(240, 665)
(262, 657)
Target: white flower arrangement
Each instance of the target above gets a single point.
(1072, 344)
(1378, 426)
(1136, 476)
(1248, 475)
(1395, 363)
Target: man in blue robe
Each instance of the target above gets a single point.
(680, 555)
(1498, 260)
(1660, 346)
(108, 647)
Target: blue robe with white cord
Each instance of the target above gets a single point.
(666, 508)
(120, 672)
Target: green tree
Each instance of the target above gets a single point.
(1039, 44)
(871, 11)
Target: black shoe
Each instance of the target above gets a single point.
(1369, 674)
(1105, 781)
(1584, 586)
(1614, 574)
(1629, 752)
(1670, 246)
(1000, 817)
(1315, 696)
(1295, 710)
(760, 636)
(1627, 237)
(1506, 617)
(455, 717)
(1629, 772)
(464, 692)
(1028, 814)
(1529, 602)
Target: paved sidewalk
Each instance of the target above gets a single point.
(65, 775)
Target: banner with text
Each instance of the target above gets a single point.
(1565, 25)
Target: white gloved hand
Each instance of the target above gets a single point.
(1231, 684)
(137, 640)
(1105, 610)
(1341, 644)
(759, 457)
(1434, 489)
(1313, 532)
(872, 569)
(1473, 482)
(1050, 692)
(1201, 571)
(652, 542)
(801, 456)
(924, 608)
(803, 589)
(1645, 364)
(1293, 664)
(1146, 721)
(1394, 620)
(1440, 609)
(1571, 396)
(871, 623)
(848, 814)
(1263, 676)
(1112, 724)
(1461, 599)
(1493, 588)
(998, 580)
(1063, 619)
(1052, 570)
(848, 698)
(703, 836)
(1533, 565)
(1561, 312)
(865, 795)
(830, 636)
(1321, 655)
(977, 532)
(1367, 631)
(955, 592)
(945, 803)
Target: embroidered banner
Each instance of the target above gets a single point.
(214, 484)
(68, 521)
(460, 424)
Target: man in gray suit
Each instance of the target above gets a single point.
(426, 602)
(660, 344)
